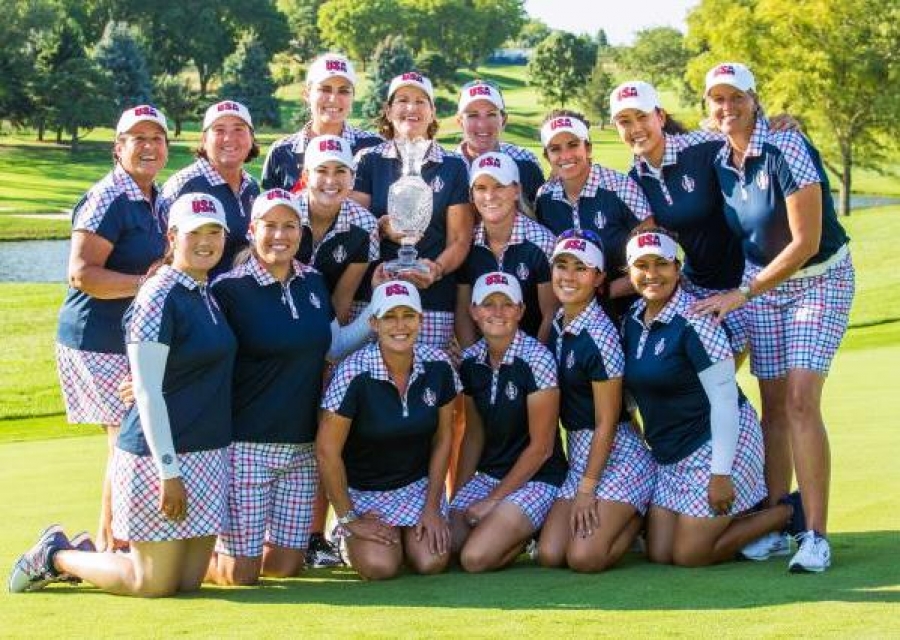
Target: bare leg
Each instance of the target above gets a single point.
(459, 531)
(555, 535)
(419, 556)
(497, 540)
(282, 562)
(661, 534)
(373, 560)
(104, 540)
(619, 524)
(704, 541)
(777, 438)
(459, 430)
(320, 511)
(809, 443)
(232, 571)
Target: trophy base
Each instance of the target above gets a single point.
(395, 268)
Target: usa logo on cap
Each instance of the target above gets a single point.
(146, 110)
(396, 289)
(556, 123)
(490, 161)
(277, 194)
(628, 92)
(496, 278)
(412, 75)
(330, 144)
(648, 240)
(724, 70)
(577, 245)
(335, 65)
(202, 205)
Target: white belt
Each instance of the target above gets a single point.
(819, 269)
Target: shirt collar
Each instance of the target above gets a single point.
(754, 147)
(374, 364)
(670, 157)
(168, 271)
(516, 236)
(509, 356)
(215, 178)
(302, 137)
(434, 153)
(129, 187)
(675, 306)
(341, 222)
(581, 321)
(264, 277)
(589, 190)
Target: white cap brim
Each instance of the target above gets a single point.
(651, 244)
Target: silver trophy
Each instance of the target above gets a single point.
(410, 205)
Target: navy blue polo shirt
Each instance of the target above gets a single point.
(661, 366)
(379, 167)
(531, 175)
(686, 198)
(501, 397)
(202, 177)
(587, 350)
(352, 239)
(526, 256)
(610, 203)
(116, 210)
(776, 165)
(390, 439)
(173, 309)
(284, 163)
(283, 333)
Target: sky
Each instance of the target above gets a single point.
(620, 18)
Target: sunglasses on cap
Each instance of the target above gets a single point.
(581, 234)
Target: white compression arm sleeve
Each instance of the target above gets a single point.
(148, 367)
(721, 389)
(348, 338)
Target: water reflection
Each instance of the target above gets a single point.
(34, 261)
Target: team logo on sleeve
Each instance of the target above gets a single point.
(600, 220)
(762, 180)
(429, 397)
(522, 272)
(570, 360)
(511, 390)
(437, 184)
(687, 183)
(339, 254)
(314, 300)
(660, 347)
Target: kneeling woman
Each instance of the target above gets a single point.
(599, 508)
(170, 468)
(512, 461)
(703, 433)
(384, 443)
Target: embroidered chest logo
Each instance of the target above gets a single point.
(687, 183)
(314, 300)
(511, 390)
(429, 397)
(762, 180)
(599, 220)
(522, 272)
(339, 254)
(437, 184)
(660, 347)
(570, 360)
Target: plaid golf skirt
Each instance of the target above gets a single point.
(89, 381)
(534, 498)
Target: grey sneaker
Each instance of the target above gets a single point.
(33, 570)
(769, 546)
(322, 554)
(814, 554)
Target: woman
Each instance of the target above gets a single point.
(703, 433)
(409, 114)
(329, 91)
(599, 510)
(340, 237)
(170, 471)
(675, 170)
(512, 461)
(384, 443)
(798, 288)
(116, 235)
(481, 113)
(280, 313)
(584, 195)
(226, 144)
(506, 240)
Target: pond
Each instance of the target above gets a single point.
(34, 261)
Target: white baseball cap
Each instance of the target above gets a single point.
(497, 282)
(563, 124)
(268, 200)
(330, 65)
(141, 113)
(635, 94)
(498, 165)
(193, 210)
(226, 108)
(392, 294)
(650, 243)
(479, 90)
(412, 79)
(327, 148)
(734, 74)
(582, 248)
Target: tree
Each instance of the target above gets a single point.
(119, 53)
(391, 58)
(306, 41)
(560, 66)
(657, 56)
(83, 98)
(435, 66)
(594, 100)
(531, 34)
(833, 63)
(247, 79)
(176, 99)
(357, 27)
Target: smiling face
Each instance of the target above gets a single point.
(410, 112)
(276, 236)
(733, 111)
(642, 132)
(569, 156)
(330, 101)
(397, 330)
(495, 202)
(227, 142)
(197, 251)
(143, 151)
(497, 317)
(329, 184)
(574, 283)
(654, 278)
(482, 123)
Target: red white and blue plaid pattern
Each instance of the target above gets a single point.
(436, 331)
(147, 309)
(401, 507)
(90, 384)
(298, 141)
(736, 323)
(253, 267)
(200, 167)
(388, 149)
(526, 349)
(602, 331)
(533, 498)
(630, 472)
(675, 144)
(273, 488)
(627, 190)
(351, 214)
(800, 323)
(97, 201)
(683, 486)
(513, 151)
(524, 228)
(136, 491)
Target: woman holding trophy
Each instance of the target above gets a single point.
(420, 194)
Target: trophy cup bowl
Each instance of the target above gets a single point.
(410, 206)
